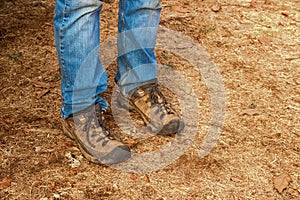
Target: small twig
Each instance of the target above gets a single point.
(43, 93)
(293, 58)
(293, 107)
(236, 5)
(268, 26)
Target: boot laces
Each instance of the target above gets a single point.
(92, 118)
(157, 97)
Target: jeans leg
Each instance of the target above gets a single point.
(137, 30)
(77, 37)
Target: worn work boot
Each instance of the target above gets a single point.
(96, 143)
(159, 117)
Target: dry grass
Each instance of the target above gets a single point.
(255, 45)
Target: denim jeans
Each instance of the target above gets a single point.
(77, 39)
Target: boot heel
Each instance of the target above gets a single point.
(66, 131)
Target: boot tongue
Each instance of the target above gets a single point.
(144, 90)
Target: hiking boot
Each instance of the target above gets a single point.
(159, 117)
(96, 143)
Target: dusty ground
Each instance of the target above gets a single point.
(256, 47)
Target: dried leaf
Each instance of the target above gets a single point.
(39, 84)
(250, 112)
(133, 177)
(265, 41)
(253, 4)
(281, 182)
(216, 7)
(180, 9)
(5, 183)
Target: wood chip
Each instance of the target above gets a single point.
(250, 112)
(5, 183)
(216, 7)
(282, 182)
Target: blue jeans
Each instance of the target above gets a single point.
(77, 38)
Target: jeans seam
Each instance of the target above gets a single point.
(128, 67)
(61, 36)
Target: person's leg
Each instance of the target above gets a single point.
(138, 26)
(137, 66)
(76, 28)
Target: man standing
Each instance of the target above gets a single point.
(77, 37)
